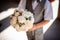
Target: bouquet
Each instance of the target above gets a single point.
(22, 20)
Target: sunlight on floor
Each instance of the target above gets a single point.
(11, 34)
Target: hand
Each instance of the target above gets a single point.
(38, 25)
(33, 28)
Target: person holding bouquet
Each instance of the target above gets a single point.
(42, 11)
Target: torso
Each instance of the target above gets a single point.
(38, 11)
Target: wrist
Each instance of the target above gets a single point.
(33, 28)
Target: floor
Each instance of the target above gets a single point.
(53, 33)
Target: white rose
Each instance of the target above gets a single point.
(21, 19)
(17, 27)
(16, 14)
(28, 24)
(27, 14)
(13, 20)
